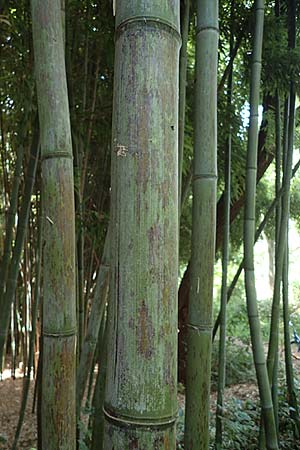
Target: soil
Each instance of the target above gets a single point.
(11, 394)
(10, 401)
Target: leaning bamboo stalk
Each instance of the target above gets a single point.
(96, 315)
(98, 397)
(203, 229)
(249, 232)
(59, 310)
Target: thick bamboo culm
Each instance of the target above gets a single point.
(140, 406)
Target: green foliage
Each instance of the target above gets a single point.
(239, 363)
(240, 425)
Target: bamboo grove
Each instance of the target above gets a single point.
(149, 151)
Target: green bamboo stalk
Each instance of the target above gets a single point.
(79, 247)
(11, 217)
(13, 271)
(185, 22)
(140, 398)
(225, 262)
(59, 301)
(258, 232)
(282, 233)
(289, 370)
(292, 395)
(274, 384)
(96, 315)
(26, 384)
(249, 233)
(203, 229)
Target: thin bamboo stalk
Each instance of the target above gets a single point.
(282, 233)
(289, 370)
(225, 262)
(185, 21)
(26, 384)
(203, 229)
(11, 217)
(96, 315)
(19, 243)
(249, 233)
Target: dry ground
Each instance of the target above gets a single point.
(11, 394)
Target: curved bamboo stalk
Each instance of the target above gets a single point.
(249, 232)
(140, 398)
(203, 229)
(59, 309)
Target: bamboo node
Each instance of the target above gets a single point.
(136, 422)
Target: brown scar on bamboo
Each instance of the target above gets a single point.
(121, 150)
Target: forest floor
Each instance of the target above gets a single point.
(10, 401)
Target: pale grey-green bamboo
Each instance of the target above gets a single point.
(141, 385)
(203, 229)
(58, 415)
